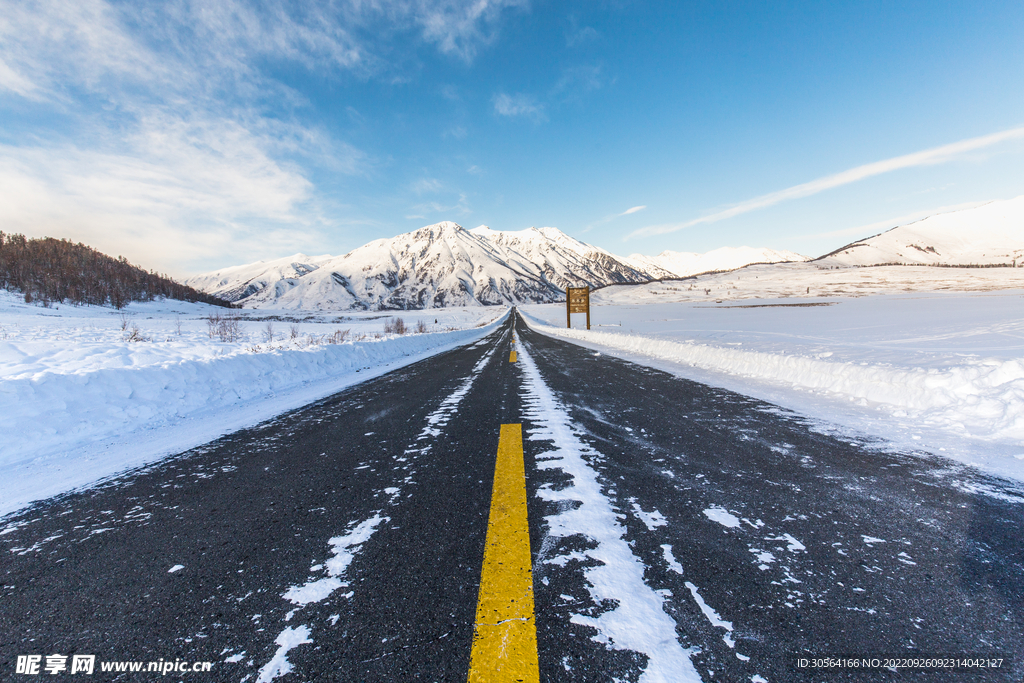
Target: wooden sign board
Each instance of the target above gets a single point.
(577, 300)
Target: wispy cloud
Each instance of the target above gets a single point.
(610, 218)
(577, 81)
(928, 157)
(519, 104)
(442, 211)
(427, 186)
(577, 35)
(182, 145)
(458, 27)
(176, 195)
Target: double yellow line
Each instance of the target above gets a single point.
(505, 640)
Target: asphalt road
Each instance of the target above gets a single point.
(344, 541)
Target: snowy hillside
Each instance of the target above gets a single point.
(239, 282)
(436, 266)
(557, 254)
(991, 234)
(684, 264)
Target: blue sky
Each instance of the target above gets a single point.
(189, 136)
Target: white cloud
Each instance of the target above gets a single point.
(427, 185)
(581, 35)
(179, 193)
(437, 209)
(610, 218)
(459, 26)
(577, 81)
(928, 157)
(171, 157)
(577, 35)
(518, 105)
(181, 165)
(16, 83)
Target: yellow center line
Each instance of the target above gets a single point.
(505, 640)
(512, 357)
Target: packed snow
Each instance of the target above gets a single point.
(638, 620)
(723, 517)
(288, 640)
(937, 372)
(79, 401)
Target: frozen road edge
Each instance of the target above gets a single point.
(639, 622)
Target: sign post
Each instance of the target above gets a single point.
(577, 300)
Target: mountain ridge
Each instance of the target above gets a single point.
(435, 266)
(445, 264)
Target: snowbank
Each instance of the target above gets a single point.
(949, 401)
(77, 415)
(985, 398)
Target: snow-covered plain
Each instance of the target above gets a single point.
(936, 372)
(918, 357)
(80, 402)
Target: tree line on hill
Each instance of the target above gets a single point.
(49, 270)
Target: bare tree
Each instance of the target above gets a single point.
(395, 326)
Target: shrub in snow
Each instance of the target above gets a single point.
(337, 337)
(395, 326)
(226, 328)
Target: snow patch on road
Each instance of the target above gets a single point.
(652, 520)
(670, 559)
(713, 616)
(440, 417)
(793, 544)
(722, 516)
(638, 622)
(344, 548)
(287, 640)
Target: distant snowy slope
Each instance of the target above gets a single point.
(684, 264)
(991, 234)
(436, 266)
(240, 282)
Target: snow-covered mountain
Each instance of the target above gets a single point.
(438, 265)
(240, 282)
(684, 263)
(990, 234)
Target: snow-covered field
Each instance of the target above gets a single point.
(813, 280)
(940, 372)
(925, 358)
(80, 401)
